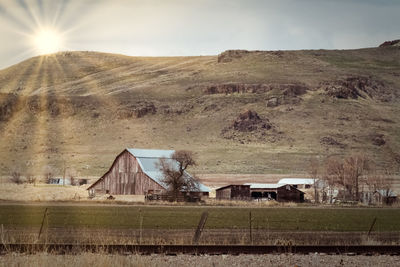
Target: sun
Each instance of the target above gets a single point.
(48, 41)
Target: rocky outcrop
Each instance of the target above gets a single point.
(137, 110)
(230, 55)
(330, 141)
(250, 127)
(230, 88)
(390, 43)
(378, 139)
(355, 87)
(249, 121)
(8, 105)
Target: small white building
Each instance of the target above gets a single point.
(59, 181)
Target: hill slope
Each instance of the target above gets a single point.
(241, 111)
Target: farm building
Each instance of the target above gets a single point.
(136, 172)
(303, 183)
(383, 196)
(278, 192)
(234, 192)
(59, 181)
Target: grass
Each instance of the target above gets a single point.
(274, 219)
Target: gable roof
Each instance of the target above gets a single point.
(149, 159)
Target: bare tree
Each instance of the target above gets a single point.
(16, 177)
(30, 178)
(355, 167)
(335, 174)
(174, 171)
(72, 174)
(48, 172)
(313, 170)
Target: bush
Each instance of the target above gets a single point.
(30, 179)
(16, 177)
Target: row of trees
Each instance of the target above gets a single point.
(353, 178)
(49, 172)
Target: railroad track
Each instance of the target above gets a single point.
(199, 249)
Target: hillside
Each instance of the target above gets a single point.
(240, 112)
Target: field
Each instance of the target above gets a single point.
(175, 217)
(114, 224)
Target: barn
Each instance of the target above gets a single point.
(278, 192)
(233, 192)
(136, 172)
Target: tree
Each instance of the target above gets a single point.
(348, 174)
(72, 174)
(16, 177)
(48, 172)
(355, 167)
(174, 171)
(313, 170)
(30, 178)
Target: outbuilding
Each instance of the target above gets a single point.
(137, 172)
(233, 192)
(278, 192)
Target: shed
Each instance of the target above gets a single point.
(233, 192)
(136, 172)
(278, 192)
(59, 181)
(384, 196)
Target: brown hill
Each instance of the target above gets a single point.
(79, 109)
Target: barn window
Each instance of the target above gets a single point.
(288, 187)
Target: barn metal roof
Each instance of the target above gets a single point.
(296, 181)
(150, 153)
(149, 160)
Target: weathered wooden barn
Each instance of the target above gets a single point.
(278, 192)
(136, 172)
(233, 192)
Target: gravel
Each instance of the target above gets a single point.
(91, 259)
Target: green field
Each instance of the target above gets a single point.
(274, 219)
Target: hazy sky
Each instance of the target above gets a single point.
(194, 27)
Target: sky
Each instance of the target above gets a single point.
(191, 27)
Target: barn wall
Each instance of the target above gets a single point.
(284, 194)
(241, 192)
(224, 193)
(126, 178)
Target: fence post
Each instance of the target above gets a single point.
(372, 226)
(140, 226)
(250, 228)
(200, 227)
(41, 227)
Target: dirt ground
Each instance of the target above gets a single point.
(90, 259)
